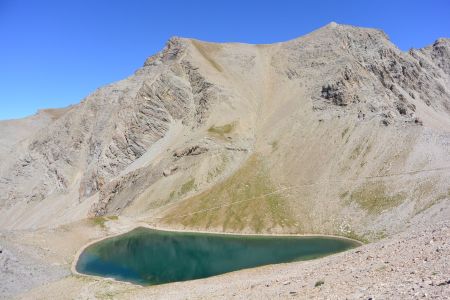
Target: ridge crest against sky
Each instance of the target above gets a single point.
(54, 53)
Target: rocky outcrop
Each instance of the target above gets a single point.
(110, 129)
(439, 53)
(191, 150)
(380, 80)
(169, 171)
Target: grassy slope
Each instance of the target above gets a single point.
(246, 200)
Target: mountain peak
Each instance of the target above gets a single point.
(332, 24)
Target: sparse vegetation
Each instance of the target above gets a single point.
(98, 221)
(344, 132)
(356, 152)
(247, 199)
(424, 207)
(105, 295)
(83, 278)
(187, 187)
(367, 150)
(101, 220)
(374, 198)
(361, 150)
(218, 170)
(319, 283)
(222, 130)
(274, 145)
(354, 236)
(343, 195)
(381, 235)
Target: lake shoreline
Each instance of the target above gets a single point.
(156, 228)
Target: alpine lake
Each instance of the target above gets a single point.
(147, 256)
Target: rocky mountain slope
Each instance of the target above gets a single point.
(14, 131)
(336, 132)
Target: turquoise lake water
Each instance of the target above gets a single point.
(146, 256)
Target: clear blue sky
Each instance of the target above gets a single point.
(54, 53)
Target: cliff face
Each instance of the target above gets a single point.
(334, 132)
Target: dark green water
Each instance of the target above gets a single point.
(145, 256)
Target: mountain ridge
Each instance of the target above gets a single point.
(339, 89)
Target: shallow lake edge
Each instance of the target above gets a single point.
(81, 250)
